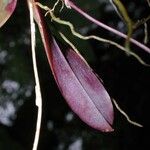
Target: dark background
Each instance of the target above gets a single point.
(124, 77)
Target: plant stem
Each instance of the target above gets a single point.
(37, 86)
(99, 23)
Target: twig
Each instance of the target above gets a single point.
(37, 86)
(146, 33)
(142, 46)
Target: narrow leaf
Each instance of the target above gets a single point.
(79, 85)
(82, 90)
(91, 84)
(6, 9)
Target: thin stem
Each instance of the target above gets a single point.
(37, 86)
(125, 115)
(141, 22)
(72, 5)
(146, 33)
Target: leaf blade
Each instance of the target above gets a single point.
(91, 84)
(67, 81)
(74, 92)
(6, 9)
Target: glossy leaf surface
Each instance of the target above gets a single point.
(6, 9)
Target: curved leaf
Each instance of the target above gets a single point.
(6, 9)
(78, 84)
(91, 84)
(82, 90)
